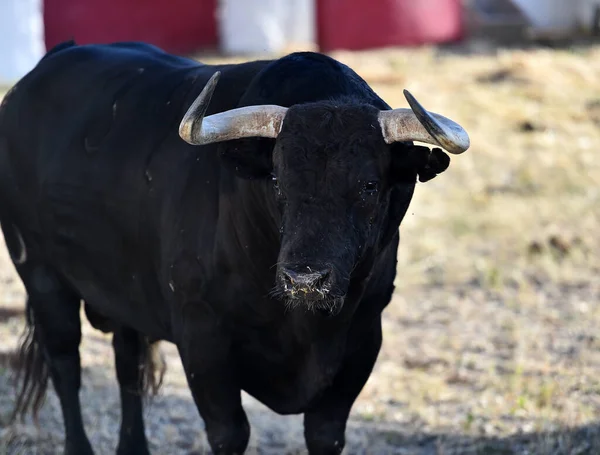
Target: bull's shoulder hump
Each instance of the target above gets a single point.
(307, 61)
(302, 77)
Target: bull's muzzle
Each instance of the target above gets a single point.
(305, 282)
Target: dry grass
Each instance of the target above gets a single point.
(499, 276)
(491, 344)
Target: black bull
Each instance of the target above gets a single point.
(266, 255)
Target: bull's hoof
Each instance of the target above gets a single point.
(82, 448)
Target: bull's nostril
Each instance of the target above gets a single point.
(321, 276)
(288, 275)
(305, 278)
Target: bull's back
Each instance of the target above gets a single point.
(89, 117)
(89, 159)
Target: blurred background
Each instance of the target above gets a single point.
(492, 341)
(29, 27)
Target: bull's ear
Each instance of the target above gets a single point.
(248, 158)
(410, 162)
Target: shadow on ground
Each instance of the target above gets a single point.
(173, 427)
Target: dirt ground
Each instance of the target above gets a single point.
(492, 341)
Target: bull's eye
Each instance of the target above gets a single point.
(371, 187)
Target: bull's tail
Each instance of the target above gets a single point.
(30, 367)
(32, 372)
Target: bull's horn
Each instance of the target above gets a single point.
(191, 124)
(250, 121)
(416, 124)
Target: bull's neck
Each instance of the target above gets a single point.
(253, 224)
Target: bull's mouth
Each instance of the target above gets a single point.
(321, 302)
(306, 292)
(327, 306)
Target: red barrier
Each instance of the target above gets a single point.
(363, 24)
(179, 26)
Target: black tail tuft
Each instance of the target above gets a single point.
(32, 373)
(150, 362)
(153, 367)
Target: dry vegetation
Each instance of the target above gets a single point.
(491, 343)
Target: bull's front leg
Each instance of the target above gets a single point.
(325, 423)
(205, 352)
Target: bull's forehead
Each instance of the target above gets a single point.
(317, 135)
(328, 149)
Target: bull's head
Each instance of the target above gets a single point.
(343, 174)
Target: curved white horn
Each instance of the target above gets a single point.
(416, 124)
(250, 121)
